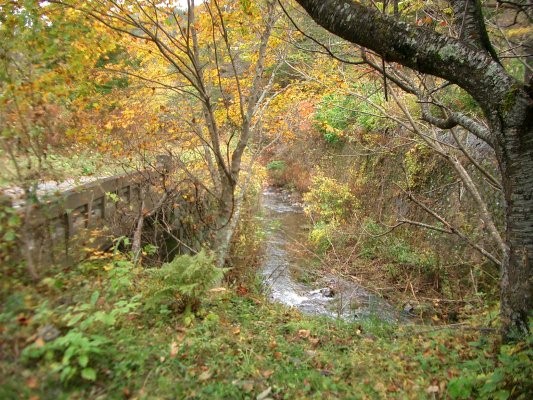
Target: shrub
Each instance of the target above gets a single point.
(85, 347)
(329, 200)
(321, 236)
(276, 165)
(182, 283)
(334, 114)
(277, 170)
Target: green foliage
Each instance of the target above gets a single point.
(392, 248)
(368, 117)
(248, 240)
(182, 283)
(276, 165)
(79, 352)
(75, 350)
(321, 236)
(334, 114)
(238, 349)
(120, 276)
(329, 203)
(458, 98)
(9, 223)
(416, 164)
(510, 379)
(329, 200)
(277, 171)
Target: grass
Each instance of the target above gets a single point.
(236, 346)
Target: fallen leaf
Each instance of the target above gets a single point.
(236, 331)
(264, 394)
(392, 387)
(278, 355)
(32, 382)
(379, 387)
(267, 374)
(241, 290)
(174, 349)
(304, 333)
(310, 353)
(205, 375)
(23, 320)
(432, 389)
(218, 290)
(39, 342)
(248, 387)
(126, 392)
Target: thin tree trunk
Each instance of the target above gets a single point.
(137, 235)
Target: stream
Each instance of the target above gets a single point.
(328, 295)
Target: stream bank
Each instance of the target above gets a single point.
(328, 295)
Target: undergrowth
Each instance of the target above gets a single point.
(93, 333)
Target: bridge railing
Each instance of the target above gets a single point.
(62, 229)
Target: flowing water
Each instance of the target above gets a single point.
(328, 295)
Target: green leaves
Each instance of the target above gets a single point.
(88, 374)
(334, 114)
(182, 282)
(94, 297)
(460, 388)
(83, 360)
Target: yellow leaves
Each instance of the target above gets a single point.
(520, 31)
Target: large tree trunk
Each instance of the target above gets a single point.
(515, 154)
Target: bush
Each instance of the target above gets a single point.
(321, 236)
(276, 165)
(329, 200)
(277, 170)
(334, 114)
(393, 248)
(182, 283)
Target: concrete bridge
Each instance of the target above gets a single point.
(62, 229)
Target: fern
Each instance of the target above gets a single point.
(183, 282)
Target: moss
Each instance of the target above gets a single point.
(510, 99)
(447, 52)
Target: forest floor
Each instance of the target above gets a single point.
(85, 334)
